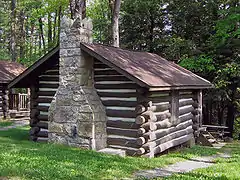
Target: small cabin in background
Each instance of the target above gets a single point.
(96, 97)
(10, 101)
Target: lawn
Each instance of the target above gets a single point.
(223, 169)
(22, 159)
(4, 123)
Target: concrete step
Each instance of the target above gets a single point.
(113, 151)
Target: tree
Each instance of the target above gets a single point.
(115, 22)
(77, 8)
(13, 30)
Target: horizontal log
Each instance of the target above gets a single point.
(111, 78)
(42, 117)
(168, 137)
(100, 65)
(116, 86)
(158, 93)
(122, 124)
(34, 113)
(160, 124)
(106, 72)
(196, 104)
(141, 131)
(122, 132)
(129, 151)
(162, 116)
(117, 94)
(44, 99)
(42, 134)
(186, 102)
(163, 132)
(140, 109)
(43, 108)
(141, 141)
(185, 96)
(49, 78)
(144, 117)
(146, 126)
(42, 125)
(122, 141)
(159, 99)
(46, 93)
(44, 85)
(172, 143)
(119, 103)
(186, 117)
(120, 113)
(185, 110)
(34, 130)
(51, 73)
(34, 121)
(159, 107)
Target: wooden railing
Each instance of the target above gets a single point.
(18, 102)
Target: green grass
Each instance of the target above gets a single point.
(223, 169)
(22, 159)
(4, 123)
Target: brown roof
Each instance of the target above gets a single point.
(9, 70)
(147, 69)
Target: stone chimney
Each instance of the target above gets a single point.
(76, 115)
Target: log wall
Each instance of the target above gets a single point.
(1, 102)
(4, 105)
(166, 119)
(42, 93)
(119, 96)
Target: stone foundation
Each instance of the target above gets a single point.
(76, 115)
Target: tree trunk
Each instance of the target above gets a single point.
(49, 30)
(77, 8)
(59, 21)
(22, 34)
(13, 31)
(41, 33)
(231, 109)
(55, 27)
(115, 23)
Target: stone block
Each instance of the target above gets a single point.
(55, 128)
(112, 151)
(85, 129)
(64, 114)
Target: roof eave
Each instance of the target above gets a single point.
(17, 79)
(181, 87)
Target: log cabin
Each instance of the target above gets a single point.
(8, 71)
(96, 96)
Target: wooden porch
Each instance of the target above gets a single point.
(19, 106)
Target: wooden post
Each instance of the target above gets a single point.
(174, 106)
(197, 121)
(200, 106)
(5, 104)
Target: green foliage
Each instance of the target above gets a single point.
(4, 123)
(201, 64)
(236, 133)
(100, 13)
